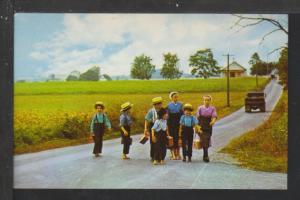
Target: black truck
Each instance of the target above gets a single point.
(255, 100)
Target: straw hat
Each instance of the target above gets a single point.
(171, 94)
(157, 100)
(126, 106)
(188, 106)
(99, 103)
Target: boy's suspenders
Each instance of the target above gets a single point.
(104, 118)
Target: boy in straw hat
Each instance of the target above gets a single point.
(150, 118)
(187, 123)
(207, 116)
(125, 124)
(174, 111)
(98, 124)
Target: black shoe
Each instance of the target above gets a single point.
(190, 159)
(206, 159)
(184, 159)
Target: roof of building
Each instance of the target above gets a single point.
(234, 66)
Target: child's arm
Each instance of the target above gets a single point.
(122, 123)
(146, 131)
(214, 117)
(124, 131)
(92, 126)
(107, 123)
(153, 136)
(213, 121)
(180, 131)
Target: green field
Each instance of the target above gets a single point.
(266, 147)
(55, 114)
(135, 86)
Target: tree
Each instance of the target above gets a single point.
(170, 69)
(91, 74)
(74, 76)
(263, 68)
(253, 21)
(283, 67)
(203, 64)
(254, 61)
(107, 77)
(142, 68)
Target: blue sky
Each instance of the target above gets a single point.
(62, 43)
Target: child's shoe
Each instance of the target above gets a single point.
(190, 159)
(97, 155)
(206, 159)
(124, 157)
(155, 162)
(184, 159)
(162, 162)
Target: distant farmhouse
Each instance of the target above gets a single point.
(235, 70)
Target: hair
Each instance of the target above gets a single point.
(96, 105)
(126, 109)
(161, 113)
(208, 97)
(190, 109)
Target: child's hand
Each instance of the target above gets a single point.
(125, 133)
(146, 133)
(211, 123)
(154, 140)
(92, 134)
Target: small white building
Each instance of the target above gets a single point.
(235, 70)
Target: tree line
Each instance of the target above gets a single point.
(202, 64)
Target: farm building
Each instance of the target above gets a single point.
(235, 70)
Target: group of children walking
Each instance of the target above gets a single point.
(171, 127)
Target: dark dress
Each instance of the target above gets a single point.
(205, 137)
(174, 124)
(160, 147)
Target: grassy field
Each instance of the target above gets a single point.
(135, 86)
(45, 117)
(265, 148)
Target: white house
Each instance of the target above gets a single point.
(235, 70)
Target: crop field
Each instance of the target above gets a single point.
(55, 114)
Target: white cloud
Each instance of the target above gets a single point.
(83, 41)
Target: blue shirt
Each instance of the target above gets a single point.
(101, 118)
(160, 124)
(151, 116)
(188, 120)
(125, 119)
(175, 108)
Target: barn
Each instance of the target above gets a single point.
(235, 70)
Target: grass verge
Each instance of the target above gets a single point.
(265, 148)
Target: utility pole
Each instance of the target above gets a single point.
(228, 82)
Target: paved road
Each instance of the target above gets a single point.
(74, 167)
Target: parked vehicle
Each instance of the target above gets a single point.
(255, 100)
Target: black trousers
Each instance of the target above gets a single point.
(98, 141)
(126, 140)
(187, 141)
(160, 147)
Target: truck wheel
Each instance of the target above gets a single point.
(263, 109)
(247, 109)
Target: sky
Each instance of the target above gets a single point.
(61, 43)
